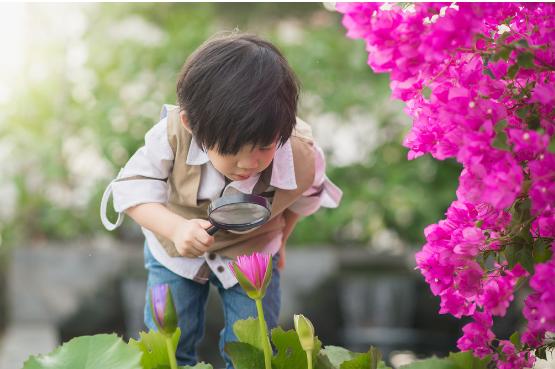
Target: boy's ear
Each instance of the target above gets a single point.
(185, 121)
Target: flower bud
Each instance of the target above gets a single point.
(162, 309)
(305, 331)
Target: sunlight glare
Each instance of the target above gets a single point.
(12, 46)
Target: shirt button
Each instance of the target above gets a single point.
(211, 256)
(221, 269)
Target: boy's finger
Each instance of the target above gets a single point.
(197, 249)
(205, 224)
(205, 239)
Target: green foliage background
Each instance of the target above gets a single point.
(89, 91)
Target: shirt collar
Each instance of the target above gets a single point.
(283, 168)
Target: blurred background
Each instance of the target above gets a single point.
(80, 85)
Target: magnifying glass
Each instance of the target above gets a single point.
(239, 212)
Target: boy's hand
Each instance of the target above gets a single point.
(191, 239)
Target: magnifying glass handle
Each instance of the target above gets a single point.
(213, 229)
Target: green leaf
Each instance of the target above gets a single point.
(504, 53)
(431, 363)
(153, 347)
(515, 340)
(369, 360)
(362, 361)
(533, 121)
(89, 352)
(500, 126)
(337, 355)
(426, 92)
(523, 112)
(323, 362)
(541, 353)
(500, 141)
(290, 353)
(551, 147)
(512, 71)
(248, 331)
(245, 356)
(520, 215)
(525, 60)
(465, 360)
(522, 42)
(519, 252)
(542, 250)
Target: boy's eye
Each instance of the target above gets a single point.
(267, 148)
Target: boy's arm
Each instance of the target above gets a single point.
(291, 219)
(140, 190)
(188, 236)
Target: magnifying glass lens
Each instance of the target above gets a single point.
(239, 214)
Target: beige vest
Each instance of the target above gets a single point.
(183, 183)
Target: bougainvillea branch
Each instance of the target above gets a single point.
(478, 81)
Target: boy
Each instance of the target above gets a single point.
(235, 130)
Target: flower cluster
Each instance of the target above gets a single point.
(539, 309)
(478, 81)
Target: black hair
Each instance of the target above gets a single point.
(238, 89)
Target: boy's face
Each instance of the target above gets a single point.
(246, 163)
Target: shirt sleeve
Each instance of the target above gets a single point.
(323, 192)
(143, 179)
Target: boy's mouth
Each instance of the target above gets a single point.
(242, 177)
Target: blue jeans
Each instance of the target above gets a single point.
(190, 302)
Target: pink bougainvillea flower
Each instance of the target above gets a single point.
(466, 101)
(253, 273)
(468, 241)
(544, 93)
(498, 289)
(527, 144)
(544, 226)
(477, 336)
(542, 190)
(541, 308)
(511, 358)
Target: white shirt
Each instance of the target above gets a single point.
(155, 160)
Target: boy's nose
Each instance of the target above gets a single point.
(247, 163)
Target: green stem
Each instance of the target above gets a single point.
(264, 334)
(171, 352)
(309, 359)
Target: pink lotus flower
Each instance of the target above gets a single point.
(253, 273)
